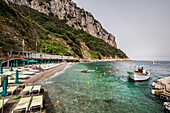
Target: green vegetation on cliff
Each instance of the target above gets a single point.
(14, 27)
(48, 30)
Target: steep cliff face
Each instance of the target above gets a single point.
(76, 17)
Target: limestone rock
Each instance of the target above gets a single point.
(77, 17)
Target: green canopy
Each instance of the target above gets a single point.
(24, 60)
(32, 61)
(4, 88)
(16, 80)
(11, 67)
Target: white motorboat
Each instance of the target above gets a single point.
(167, 105)
(139, 75)
(153, 62)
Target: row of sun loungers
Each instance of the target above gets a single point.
(10, 89)
(28, 103)
(49, 66)
(31, 89)
(21, 76)
(29, 71)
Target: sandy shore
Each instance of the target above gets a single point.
(34, 79)
(105, 60)
(45, 74)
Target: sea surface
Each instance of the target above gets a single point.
(106, 89)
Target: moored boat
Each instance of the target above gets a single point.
(153, 62)
(167, 105)
(139, 75)
(85, 71)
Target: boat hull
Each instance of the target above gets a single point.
(138, 76)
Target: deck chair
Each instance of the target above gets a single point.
(23, 104)
(36, 88)
(27, 89)
(11, 81)
(37, 102)
(27, 73)
(20, 76)
(7, 72)
(5, 101)
(0, 89)
(12, 89)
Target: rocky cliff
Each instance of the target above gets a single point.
(76, 17)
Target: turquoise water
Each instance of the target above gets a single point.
(114, 92)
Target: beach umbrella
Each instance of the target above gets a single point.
(11, 68)
(48, 61)
(16, 63)
(45, 61)
(1, 69)
(58, 60)
(4, 90)
(23, 64)
(40, 62)
(16, 79)
(8, 64)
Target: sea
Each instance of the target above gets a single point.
(106, 89)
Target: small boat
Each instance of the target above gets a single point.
(167, 105)
(85, 71)
(139, 75)
(153, 62)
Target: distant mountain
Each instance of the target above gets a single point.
(75, 16)
(18, 22)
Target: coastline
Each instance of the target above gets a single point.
(45, 74)
(105, 60)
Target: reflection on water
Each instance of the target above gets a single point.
(111, 92)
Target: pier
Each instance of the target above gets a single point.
(11, 55)
(162, 88)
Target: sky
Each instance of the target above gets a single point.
(141, 27)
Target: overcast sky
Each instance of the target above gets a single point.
(141, 27)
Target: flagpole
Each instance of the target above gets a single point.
(36, 50)
(23, 48)
(3, 105)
